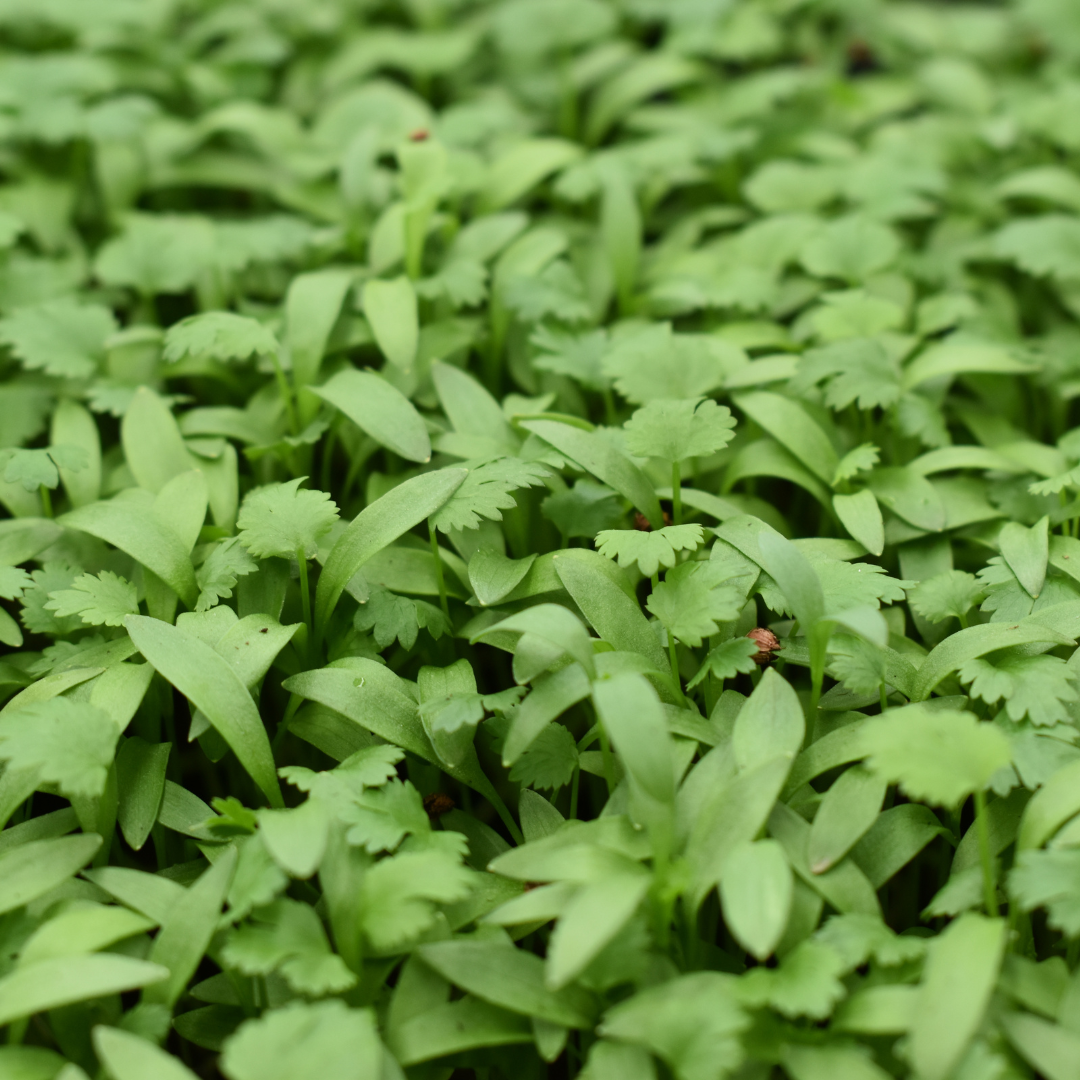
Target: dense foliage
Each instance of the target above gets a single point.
(542, 538)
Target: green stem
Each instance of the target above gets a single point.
(46, 501)
(609, 764)
(286, 395)
(884, 698)
(443, 600)
(305, 592)
(676, 493)
(574, 785)
(295, 701)
(675, 678)
(983, 833)
(507, 818)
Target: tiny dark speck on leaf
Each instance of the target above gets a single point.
(264, 630)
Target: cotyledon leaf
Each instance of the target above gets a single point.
(957, 983)
(205, 678)
(381, 410)
(376, 526)
(50, 984)
(600, 457)
(791, 426)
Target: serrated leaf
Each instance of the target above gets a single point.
(325, 1039)
(40, 468)
(99, 600)
(727, 660)
(219, 335)
(951, 594)
(550, 760)
(60, 741)
(60, 337)
(692, 600)
(1040, 688)
(284, 519)
(649, 550)
(677, 430)
(939, 756)
(485, 493)
(223, 567)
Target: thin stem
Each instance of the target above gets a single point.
(46, 501)
(507, 818)
(286, 394)
(574, 785)
(884, 698)
(305, 591)
(295, 701)
(609, 764)
(675, 678)
(676, 493)
(443, 600)
(983, 833)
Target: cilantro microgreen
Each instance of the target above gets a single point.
(377, 538)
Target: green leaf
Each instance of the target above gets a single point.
(508, 977)
(140, 780)
(692, 1022)
(951, 594)
(377, 526)
(62, 742)
(288, 937)
(1049, 879)
(939, 756)
(693, 599)
(957, 983)
(861, 516)
(549, 761)
(856, 370)
(956, 358)
(805, 984)
(133, 527)
(129, 1057)
(380, 409)
(756, 891)
(41, 468)
(850, 248)
(185, 934)
(649, 550)
(1051, 1049)
(312, 308)
(630, 711)
(485, 492)
(35, 868)
(227, 562)
(399, 617)
(847, 811)
(677, 430)
(390, 307)
(595, 587)
(600, 457)
(219, 335)
(206, 679)
(726, 660)
(61, 337)
(399, 894)
(557, 625)
(101, 600)
(326, 1039)
(156, 253)
(283, 519)
(1027, 552)
(1037, 687)
(769, 725)
(51, 984)
(791, 426)
(862, 459)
